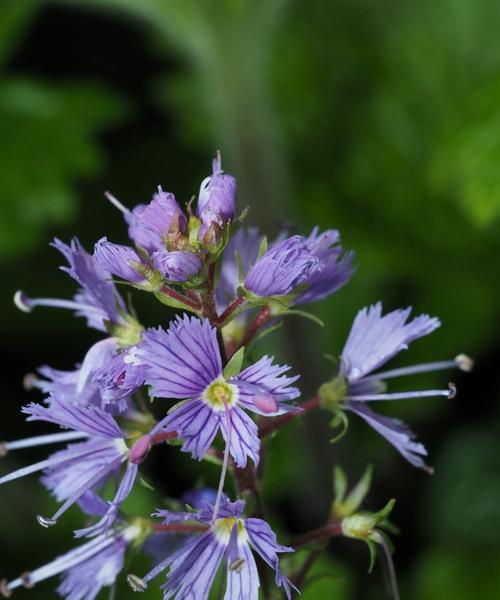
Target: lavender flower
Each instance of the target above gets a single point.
(185, 362)
(228, 537)
(246, 243)
(374, 339)
(105, 379)
(119, 260)
(178, 265)
(97, 300)
(217, 199)
(151, 224)
(85, 570)
(71, 472)
(334, 268)
(309, 268)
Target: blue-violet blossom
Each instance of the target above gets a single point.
(185, 363)
(230, 538)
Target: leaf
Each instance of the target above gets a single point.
(61, 124)
(233, 367)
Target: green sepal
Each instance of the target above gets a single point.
(238, 222)
(234, 365)
(339, 485)
(339, 420)
(359, 492)
(146, 484)
(262, 247)
(373, 554)
(193, 229)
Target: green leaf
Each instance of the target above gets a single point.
(233, 367)
(37, 178)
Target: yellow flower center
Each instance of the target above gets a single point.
(220, 394)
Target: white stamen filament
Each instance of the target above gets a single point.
(60, 564)
(462, 362)
(449, 393)
(41, 440)
(116, 203)
(50, 521)
(390, 567)
(225, 463)
(27, 304)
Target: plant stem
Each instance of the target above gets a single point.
(254, 326)
(224, 316)
(318, 535)
(298, 577)
(268, 425)
(193, 305)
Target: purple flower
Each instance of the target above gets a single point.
(105, 379)
(217, 197)
(334, 267)
(184, 362)
(246, 243)
(230, 538)
(119, 260)
(281, 269)
(311, 268)
(119, 378)
(80, 467)
(150, 224)
(374, 339)
(85, 570)
(178, 265)
(97, 300)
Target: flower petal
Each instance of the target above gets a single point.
(374, 339)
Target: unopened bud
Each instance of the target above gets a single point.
(140, 449)
(266, 403)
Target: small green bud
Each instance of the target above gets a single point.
(333, 392)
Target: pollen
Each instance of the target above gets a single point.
(220, 394)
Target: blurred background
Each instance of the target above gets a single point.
(380, 119)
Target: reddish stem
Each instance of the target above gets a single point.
(223, 317)
(196, 306)
(255, 325)
(318, 535)
(163, 436)
(180, 528)
(268, 425)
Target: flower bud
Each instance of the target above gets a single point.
(119, 260)
(178, 265)
(217, 197)
(152, 224)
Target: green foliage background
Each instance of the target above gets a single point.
(379, 118)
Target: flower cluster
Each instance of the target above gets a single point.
(230, 285)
